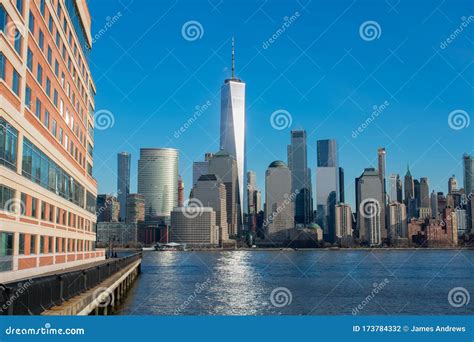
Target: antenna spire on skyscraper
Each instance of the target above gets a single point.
(233, 58)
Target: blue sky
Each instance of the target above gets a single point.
(319, 69)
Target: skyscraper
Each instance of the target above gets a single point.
(381, 164)
(180, 192)
(232, 130)
(210, 191)
(123, 182)
(46, 146)
(343, 221)
(424, 193)
(369, 205)
(298, 165)
(135, 208)
(452, 184)
(434, 204)
(341, 185)
(468, 174)
(409, 186)
(399, 189)
(392, 187)
(224, 166)
(158, 181)
(201, 167)
(327, 185)
(398, 225)
(278, 202)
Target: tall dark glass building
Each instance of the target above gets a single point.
(123, 182)
(300, 176)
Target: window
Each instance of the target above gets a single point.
(16, 83)
(8, 145)
(50, 24)
(42, 246)
(48, 87)
(19, 6)
(54, 127)
(56, 68)
(2, 66)
(38, 109)
(34, 207)
(3, 18)
(7, 195)
(60, 135)
(39, 74)
(43, 210)
(41, 40)
(40, 169)
(21, 246)
(29, 60)
(57, 39)
(42, 6)
(46, 119)
(50, 55)
(6, 251)
(31, 24)
(28, 97)
(58, 10)
(18, 40)
(55, 97)
(32, 244)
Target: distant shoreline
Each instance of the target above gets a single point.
(316, 249)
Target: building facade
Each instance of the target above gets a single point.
(47, 192)
(107, 208)
(158, 181)
(343, 221)
(123, 181)
(279, 215)
(135, 208)
(468, 168)
(194, 226)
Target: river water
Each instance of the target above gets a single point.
(316, 282)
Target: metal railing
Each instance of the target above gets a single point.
(35, 295)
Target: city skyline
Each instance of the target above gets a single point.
(323, 112)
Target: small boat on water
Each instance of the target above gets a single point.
(171, 246)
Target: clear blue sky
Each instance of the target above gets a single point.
(319, 69)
